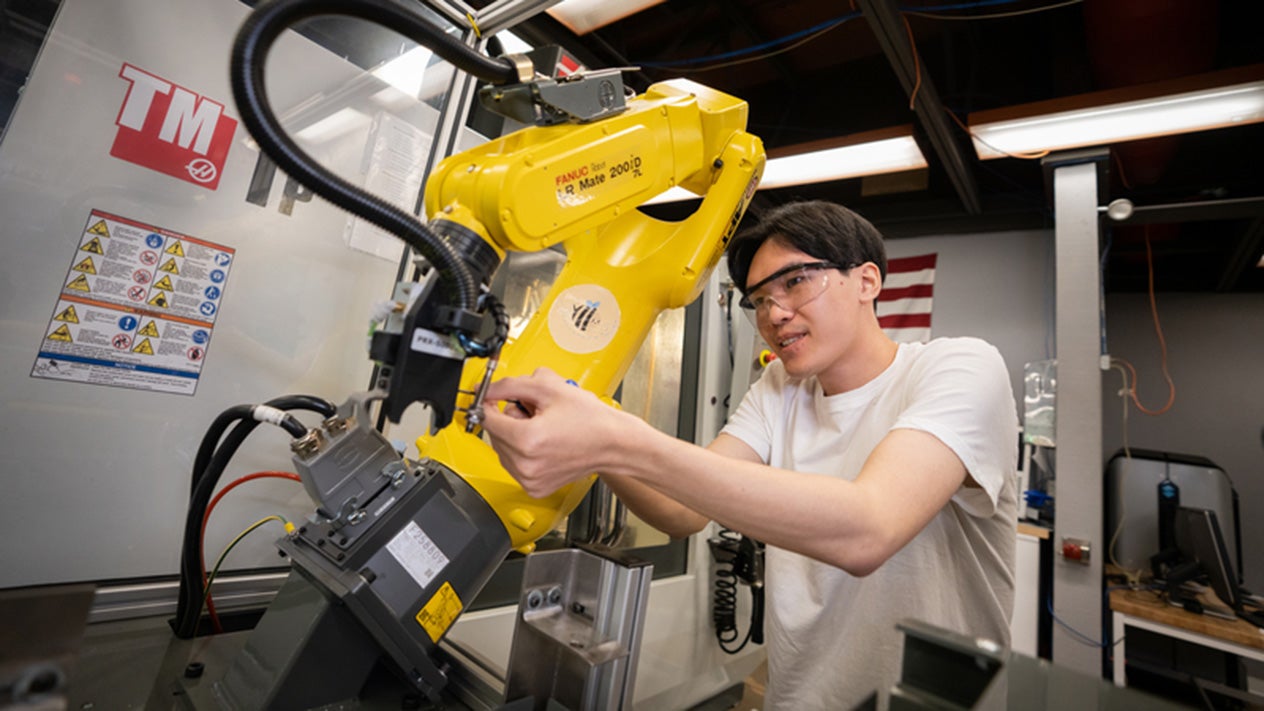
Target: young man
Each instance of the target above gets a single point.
(880, 475)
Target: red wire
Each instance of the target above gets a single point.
(917, 62)
(210, 604)
(1158, 331)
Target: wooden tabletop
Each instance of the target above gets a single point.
(1148, 605)
(1032, 529)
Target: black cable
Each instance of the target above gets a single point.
(213, 434)
(724, 600)
(492, 345)
(250, 50)
(208, 466)
(211, 439)
(290, 424)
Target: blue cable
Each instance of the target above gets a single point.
(757, 48)
(1080, 636)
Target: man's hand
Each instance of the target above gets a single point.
(550, 433)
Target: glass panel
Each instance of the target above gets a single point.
(265, 291)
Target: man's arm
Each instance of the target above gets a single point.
(667, 514)
(854, 525)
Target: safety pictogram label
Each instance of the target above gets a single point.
(439, 614)
(61, 334)
(79, 283)
(120, 322)
(68, 315)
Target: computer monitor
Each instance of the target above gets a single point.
(1198, 539)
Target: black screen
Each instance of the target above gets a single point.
(1198, 539)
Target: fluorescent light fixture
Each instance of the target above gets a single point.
(871, 153)
(1231, 98)
(887, 155)
(583, 16)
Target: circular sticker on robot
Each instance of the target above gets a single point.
(584, 318)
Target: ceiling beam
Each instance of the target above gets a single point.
(889, 29)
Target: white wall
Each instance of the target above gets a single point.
(996, 286)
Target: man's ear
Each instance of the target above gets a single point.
(870, 280)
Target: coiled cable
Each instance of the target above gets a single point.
(727, 547)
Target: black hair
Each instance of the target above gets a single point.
(825, 230)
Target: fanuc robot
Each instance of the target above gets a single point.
(397, 548)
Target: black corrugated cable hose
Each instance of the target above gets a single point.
(250, 50)
(208, 465)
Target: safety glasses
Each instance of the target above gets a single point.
(791, 287)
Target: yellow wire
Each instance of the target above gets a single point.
(220, 561)
(474, 25)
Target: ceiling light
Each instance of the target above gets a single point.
(583, 16)
(883, 155)
(1230, 98)
(855, 156)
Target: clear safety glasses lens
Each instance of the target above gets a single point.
(790, 289)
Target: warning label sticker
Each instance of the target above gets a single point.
(113, 324)
(439, 614)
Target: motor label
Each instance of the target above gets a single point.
(440, 612)
(417, 554)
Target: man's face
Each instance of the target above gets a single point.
(814, 336)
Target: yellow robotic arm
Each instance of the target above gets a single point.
(579, 186)
(397, 548)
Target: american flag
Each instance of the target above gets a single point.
(905, 301)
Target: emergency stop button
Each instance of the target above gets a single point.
(1076, 550)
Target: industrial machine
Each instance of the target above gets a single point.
(397, 548)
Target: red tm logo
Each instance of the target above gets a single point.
(172, 130)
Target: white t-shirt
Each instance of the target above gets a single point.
(831, 636)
